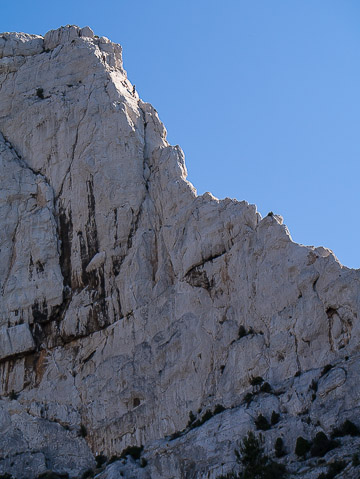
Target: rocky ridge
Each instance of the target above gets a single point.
(136, 313)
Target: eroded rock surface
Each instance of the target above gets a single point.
(127, 301)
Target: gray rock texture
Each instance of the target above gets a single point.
(134, 312)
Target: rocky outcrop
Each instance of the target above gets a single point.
(136, 313)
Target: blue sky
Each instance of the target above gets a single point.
(262, 95)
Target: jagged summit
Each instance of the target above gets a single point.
(134, 312)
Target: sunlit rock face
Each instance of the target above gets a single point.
(134, 312)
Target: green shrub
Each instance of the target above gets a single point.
(275, 417)
(265, 388)
(322, 445)
(133, 451)
(13, 395)
(175, 435)
(279, 447)
(302, 446)
(82, 431)
(248, 398)
(192, 419)
(218, 409)
(314, 385)
(256, 464)
(333, 470)
(100, 460)
(242, 332)
(229, 475)
(52, 475)
(262, 423)
(348, 428)
(88, 474)
(40, 93)
(207, 415)
(256, 381)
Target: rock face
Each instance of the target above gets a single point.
(134, 312)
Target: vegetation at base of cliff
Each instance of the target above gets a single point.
(82, 431)
(133, 451)
(356, 460)
(194, 423)
(259, 386)
(348, 428)
(40, 93)
(322, 445)
(255, 464)
(242, 332)
(88, 474)
(100, 460)
(333, 470)
(13, 396)
(302, 446)
(52, 475)
(279, 447)
(318, 447)
(262, 423)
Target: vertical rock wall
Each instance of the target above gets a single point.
(127, 301)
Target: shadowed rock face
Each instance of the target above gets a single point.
(128, 301)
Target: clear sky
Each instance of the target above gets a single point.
(263, 96)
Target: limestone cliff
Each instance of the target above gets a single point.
(134, 312)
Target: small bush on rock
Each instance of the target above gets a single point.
(279, 447)
(88, 474)
(348, 428)
(302, 446)
(322, 445)
(265, 388)
(262, 423)
(256, 381)
(333, 470)
(242, 332)
(314, 385)
(229, 475)
(275, 417)
(256, 464)
(133, 451)
(218, 409)
(52, 475)
(192, 419)
(40, 93)
(100, 460)
(13, 396)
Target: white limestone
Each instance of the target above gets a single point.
(128, 301)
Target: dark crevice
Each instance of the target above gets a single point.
(66, 238)
(331, 312)
(206, 260)
(197, 276)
